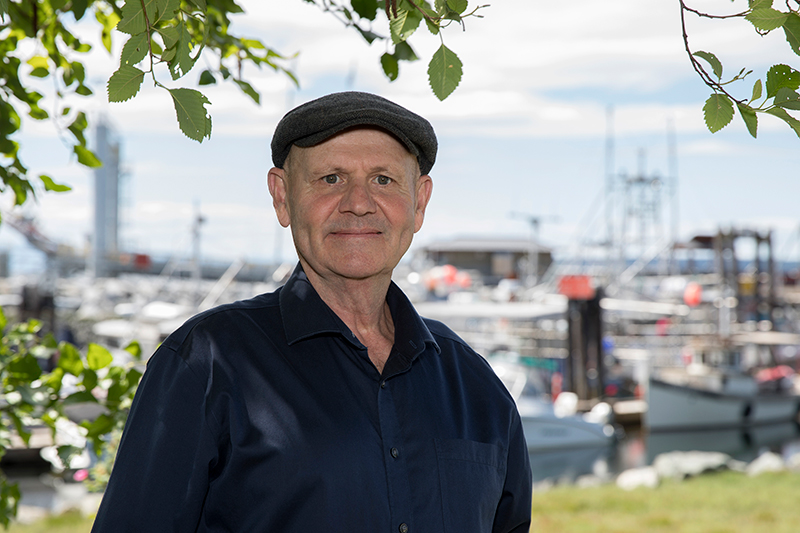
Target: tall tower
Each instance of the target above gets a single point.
(106, 202)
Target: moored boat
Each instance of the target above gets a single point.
(552, 425)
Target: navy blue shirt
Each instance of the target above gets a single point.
(267, 416)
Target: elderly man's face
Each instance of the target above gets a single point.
(353, 202)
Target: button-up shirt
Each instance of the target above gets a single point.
(267, 415)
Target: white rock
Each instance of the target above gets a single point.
(793, 462)
(638, 477)
(766, 462)
(588, 481)
(737, 466)
(680, 465)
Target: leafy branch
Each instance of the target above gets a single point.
(32, 398)
(781, 82)
(175, 33)
(405, 17)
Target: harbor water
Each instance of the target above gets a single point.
(638, 448)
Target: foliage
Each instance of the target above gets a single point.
(405, 17)
(174, 34)
(776, 96)
(34, 398)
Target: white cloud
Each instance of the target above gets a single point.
(542, 72)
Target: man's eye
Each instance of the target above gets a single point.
(333, 178)
(383, 180)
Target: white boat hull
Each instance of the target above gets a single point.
(676, 407)
(553, 433)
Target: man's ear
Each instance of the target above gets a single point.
(423, 192)
(276, 181)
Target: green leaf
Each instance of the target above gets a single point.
(67, 452)
(249, 91)
(712, 60)
(24, 434)
(38, 62)
(100, 426)
(170, 34)
(53, 379)
(749, 117)
(80, 397)
(404, 25)
(404, 52)
(166, 10)
(792, 30)
(718, 112)
(367, 35)
(50, 185)
(78, 126)
(367, 9)
(133, 378)
(108, 22)
(89, 379)
(756, 91)
(86, 157)
(182, 63)
(3, 320)
(459, 6)
(134, 349)
(124, 83)
(3, 7)
(756, 4)
(40, 73)
(25, 368)
(69, 358)
(79, 8)
(390, 66)
(193, 118)
(83, 90)
(433, 27)
(786, 117)
(134, 50)
(444, 72)
(787, 99)
(133, 21)
(766, 19)
(781, 76)
(98, 357)
(207, 78)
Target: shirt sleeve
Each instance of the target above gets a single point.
(161, 473)
(514, 510)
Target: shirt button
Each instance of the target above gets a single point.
(394, 452)
(383, 384)
(403, 528)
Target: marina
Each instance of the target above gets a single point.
(641, 348)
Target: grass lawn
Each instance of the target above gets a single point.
(725, 502)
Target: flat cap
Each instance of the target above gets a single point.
(318, 120)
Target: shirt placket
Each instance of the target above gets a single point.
(395, 458)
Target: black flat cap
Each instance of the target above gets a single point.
(318, 120)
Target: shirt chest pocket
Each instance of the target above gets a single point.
(471, 478)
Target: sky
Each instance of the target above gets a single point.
(524, 135)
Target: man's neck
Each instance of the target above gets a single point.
(361, 305)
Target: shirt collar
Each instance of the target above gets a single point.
(305, 315)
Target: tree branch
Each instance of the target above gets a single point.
(707, 15)
(705, 76)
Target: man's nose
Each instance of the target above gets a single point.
(357, 199)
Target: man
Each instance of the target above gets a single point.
(328, 405)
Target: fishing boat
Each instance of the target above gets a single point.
(553, 425)
(709, 398)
